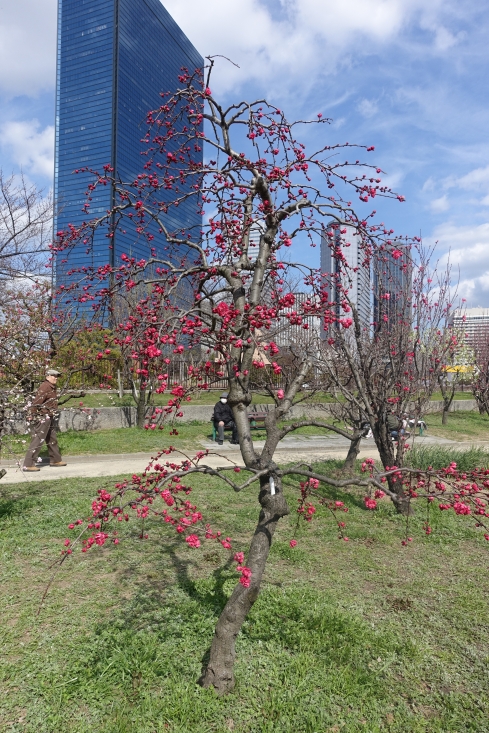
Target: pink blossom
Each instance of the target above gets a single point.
(293, 543)
(370, 503)
(245, 579)
(192, 540)
(280, 394)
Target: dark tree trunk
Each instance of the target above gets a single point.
(481, 403)
(444, 415)
(141, 409)
(353, 451)
(219, 672)
(402, 502)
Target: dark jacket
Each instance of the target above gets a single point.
(45, 402)
(392, 422)
(222, 412)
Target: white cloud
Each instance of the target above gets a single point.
(301, 40)
(368, 108)
(307, 38)
(469, 257)
(27, 46)
(30, 147)
(473, 181)
(445, 40)
(439, 205)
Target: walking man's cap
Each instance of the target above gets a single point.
(53, 373)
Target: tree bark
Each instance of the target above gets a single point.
(402, 502)
(219, 672)
(353, 452)
(141, 409)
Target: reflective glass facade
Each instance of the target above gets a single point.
(357, 278)
(114, 59)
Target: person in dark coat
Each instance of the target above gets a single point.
(393, 424)
(223, 418)
(43, 412)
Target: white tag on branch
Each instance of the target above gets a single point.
(272, 486)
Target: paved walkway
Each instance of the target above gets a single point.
(291, 450)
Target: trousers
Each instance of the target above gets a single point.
(220, 430)
(43, 431)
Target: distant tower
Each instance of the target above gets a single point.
(392, 275)
(357, 276)
(115, 57)
(256, 231)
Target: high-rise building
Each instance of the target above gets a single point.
(115, 57)
(256, 232)
(298, 331)
(473, 322)
(354, 277)
(392, 283)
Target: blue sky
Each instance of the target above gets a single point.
(407, 76)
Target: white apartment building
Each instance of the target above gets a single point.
(474, 322)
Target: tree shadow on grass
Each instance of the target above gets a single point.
(14, 504)
(182, 607)
(285, 624)
(7, 508)
(151, 593)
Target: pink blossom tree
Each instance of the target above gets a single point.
(208, 292)
(390, 367)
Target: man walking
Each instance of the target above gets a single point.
(223, 418)
(43, 414)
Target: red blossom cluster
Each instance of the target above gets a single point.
(466, 493)
(141, 498)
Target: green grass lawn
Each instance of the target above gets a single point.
(463, 426)
(131, 440)
(457, 396)
(111, 399)
(364, 635)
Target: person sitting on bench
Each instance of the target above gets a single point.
(223, 418)
(393, 425)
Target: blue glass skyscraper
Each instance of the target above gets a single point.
(114, 59)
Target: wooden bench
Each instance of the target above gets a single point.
(257, 422)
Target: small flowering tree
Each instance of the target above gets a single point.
(208, 292)
(392, 364)
(31, 340)
(480, 379)
(26, 349)
(25, 228)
